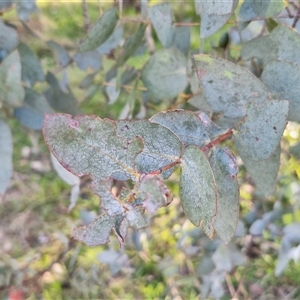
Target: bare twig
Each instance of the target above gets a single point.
(85, 15)
(296, 18)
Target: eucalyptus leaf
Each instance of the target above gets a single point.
(131, 46)
(88, 60)
(199, 101)
(211, 23)
(112, 42)
(282, 44)
(164, 75)
(25, 8)
(58, 99)
(8, 37)
(263, 173)
(60, 54)
(31, 68)
(227, 87)
(259, 134)
(182, 38)
(250, 10)
(161, 17)
(101, 31)
(262, 47)
(287, 41)
(88, 145)
(11, 88)
(191, 128)
(161, 146)
(6, 151)
(214, 15)
(222, 7)
(154, 193)
(112, 91)
(109, 202)
(96, 233)
(224, 166)
(31, 114)
(198, 191)
(281, 78)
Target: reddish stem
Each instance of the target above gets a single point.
(205, 148)
(167, 167)
(217, 141)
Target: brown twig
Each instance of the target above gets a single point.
(296, 18)
(85, 15)
(217, 141)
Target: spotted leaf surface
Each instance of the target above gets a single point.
(154, 192)
(198, 191)
(264, 172)
(224, 166)
(88, 145)
(191, 128)
(109, 202)
(227, 87)
(162, 147)
(260, 133)
(282, 79)
(97, 233)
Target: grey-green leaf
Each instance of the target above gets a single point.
(101, 31)
(6, 150)
(199, 101)
(211, 23)
(262, 47)
(164, 75)
(112, 42)
(109, 202)
(191, 128)
(96, 233)
(31, 114)
(220, 8)
(88, 145)
(131, 46)
(283, 44)
(11, 88)
(61, 55)
(251, 10)
(263, 173)
(182, 39)
(88, 60)
(224, 166)
(162, 147)
(214, 15)
(8, 37)
(135, 218)
(287, 41)
(259, 134)
(59, 100)
(282, 80)
(31, 67)
(198, 191)
(154, 193)
(227, 87)
(161, 19)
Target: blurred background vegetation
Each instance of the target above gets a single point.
(168, 260)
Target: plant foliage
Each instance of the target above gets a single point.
(217, 110)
